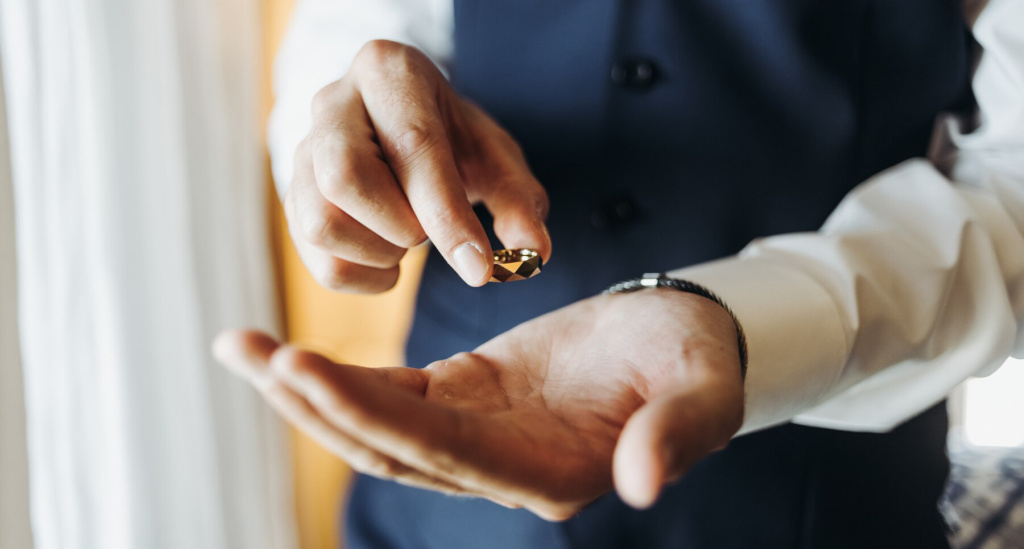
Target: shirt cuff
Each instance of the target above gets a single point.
(796, 343)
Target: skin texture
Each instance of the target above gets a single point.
(394, 157)
(625, 391)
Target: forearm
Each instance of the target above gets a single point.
(895, 288)
(915, 283)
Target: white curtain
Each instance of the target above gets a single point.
(15, 531)
(141, 231)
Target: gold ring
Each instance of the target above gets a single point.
(515, 264)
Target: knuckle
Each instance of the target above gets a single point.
(337, 166)
(317, 228)
(338, 180)
(376, 53)
(415, 140)
(330, 179)
(323, 100)
(343, 183)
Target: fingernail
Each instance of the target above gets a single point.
(470, 263)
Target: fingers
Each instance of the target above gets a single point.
(351, 398)
(333, 231)
(503, 181)
(248, 354)
(404, 96)
(343, 276)
(350, 220)
(441, 441)
(350, 171)
(401, 158)
(424, 165)
(669, 434)
(315, 394)
(385, 410)
(340, 253)
(297, 411)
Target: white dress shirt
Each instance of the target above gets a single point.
(914, 284)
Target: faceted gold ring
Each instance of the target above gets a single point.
(515, 264)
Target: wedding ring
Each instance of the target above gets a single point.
(515, 264)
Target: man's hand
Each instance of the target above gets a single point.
(626, 390)
(396, 156)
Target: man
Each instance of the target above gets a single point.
(662, 135)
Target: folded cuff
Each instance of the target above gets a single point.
(795, 338)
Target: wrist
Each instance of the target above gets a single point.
(660, 280)
(673, 338)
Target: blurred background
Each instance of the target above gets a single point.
(137, 219)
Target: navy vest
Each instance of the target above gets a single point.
(674, 132)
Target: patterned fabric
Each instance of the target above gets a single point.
(984, 500)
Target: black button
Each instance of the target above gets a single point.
(614, 213)
(635, 73)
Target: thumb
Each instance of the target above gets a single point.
(668, 435)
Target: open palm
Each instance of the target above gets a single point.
(622, 391)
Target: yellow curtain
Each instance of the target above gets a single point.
(369, 331)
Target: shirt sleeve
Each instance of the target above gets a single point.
(914, 283)
(322, 38)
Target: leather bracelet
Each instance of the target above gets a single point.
(660, 280)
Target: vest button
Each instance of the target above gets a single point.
(614, 213)
(636, 73)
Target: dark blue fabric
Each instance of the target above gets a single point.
(759, 117)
